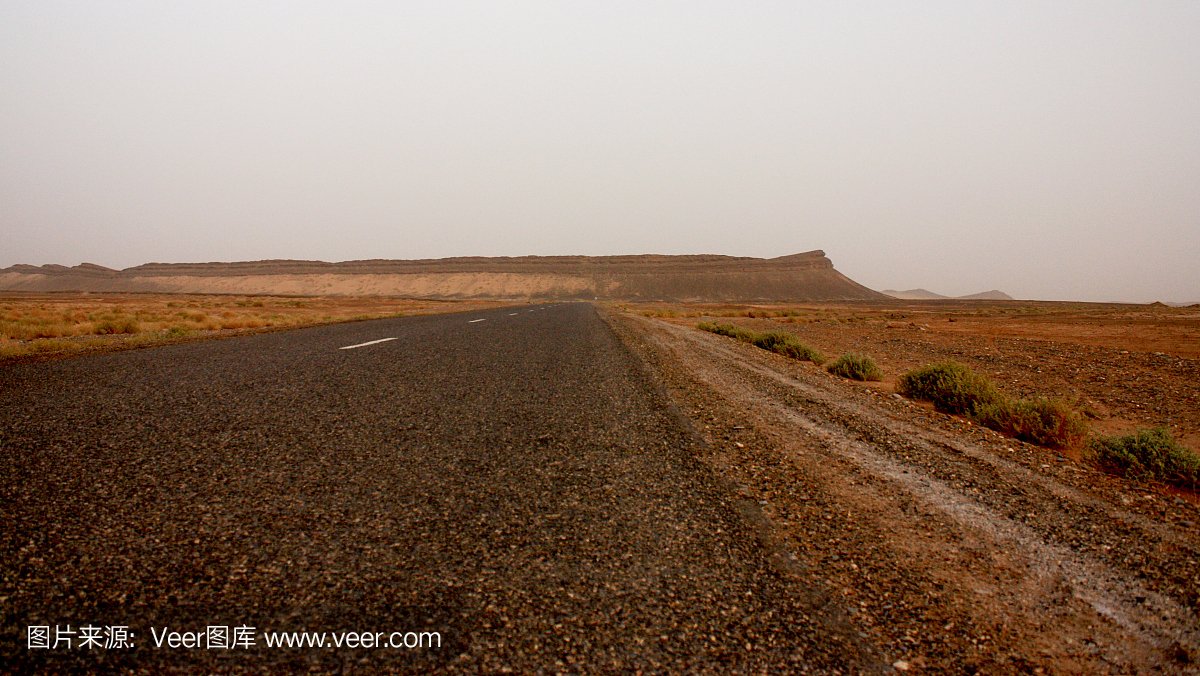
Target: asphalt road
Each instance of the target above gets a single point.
(511, 479)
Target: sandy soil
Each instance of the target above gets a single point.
(953, 548)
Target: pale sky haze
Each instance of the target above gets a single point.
(1049, 149)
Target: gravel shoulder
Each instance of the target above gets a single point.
(951, 547)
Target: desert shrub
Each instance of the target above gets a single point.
(952, 387)
(779, 342)
(113, 326)
(856, 367)
(730, 330)
(1046, 422)
(1147, 454)
(787, 345)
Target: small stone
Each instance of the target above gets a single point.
(900, 665)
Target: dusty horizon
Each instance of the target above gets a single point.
(884, 289)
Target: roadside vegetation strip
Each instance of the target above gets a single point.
(856, 367)
(787, 345)
(954, 388)
(730, 330)
(1049, 422)
(779, 342)
(1147, 455)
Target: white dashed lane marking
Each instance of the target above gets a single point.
(476, 320)
(371, 342)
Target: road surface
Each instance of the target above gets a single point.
(511, 481)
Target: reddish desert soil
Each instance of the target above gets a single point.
(953, 548)
(1127, 366)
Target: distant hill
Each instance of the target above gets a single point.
(804, 276)
(924, 294)
(987, 295)
(913, 294)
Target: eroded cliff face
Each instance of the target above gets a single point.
(804, 276)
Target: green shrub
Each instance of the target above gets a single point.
(856, 367)
(952, 387)
(1148, 454)
(1045, 422)
(776, 341)
(730, 330)
(787, 345)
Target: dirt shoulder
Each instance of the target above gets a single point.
(1128, 367)
(952, 548)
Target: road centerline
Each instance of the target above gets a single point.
(370, 342)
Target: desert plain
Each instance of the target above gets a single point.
(1126, 366)
(814, 522)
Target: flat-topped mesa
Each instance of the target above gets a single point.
(704, 277)
(554, 264)
(814, 258)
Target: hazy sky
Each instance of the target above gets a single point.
(1049, 149)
